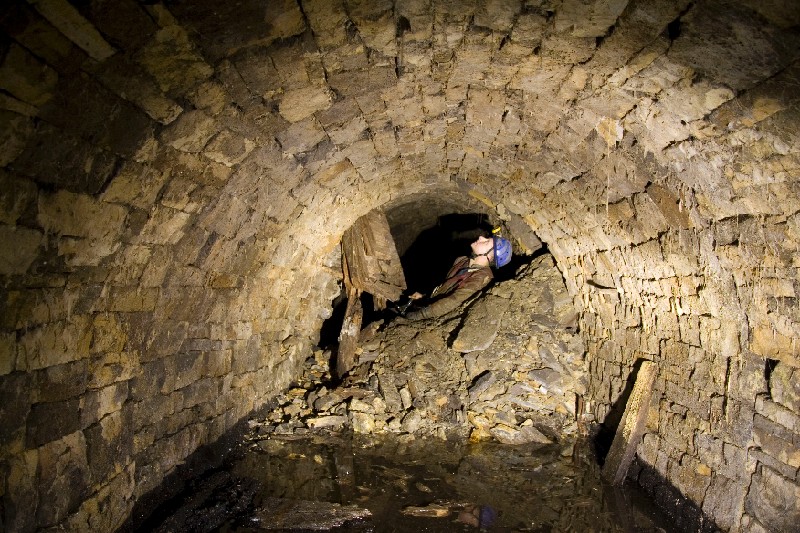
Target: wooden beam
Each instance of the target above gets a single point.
(351, 327)
(369, 264)
(351, 331)
(631, 427)
(372, 259)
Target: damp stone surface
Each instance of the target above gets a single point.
(176, 178)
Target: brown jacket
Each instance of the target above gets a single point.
(462, 282)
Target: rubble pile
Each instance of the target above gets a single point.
(507, 366)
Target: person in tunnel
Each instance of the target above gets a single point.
(467, 276)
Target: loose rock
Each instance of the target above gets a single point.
(508, 376)
(279, 514)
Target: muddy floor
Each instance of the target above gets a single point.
(341, 482)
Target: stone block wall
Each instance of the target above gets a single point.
(138, 320)
(175, 180)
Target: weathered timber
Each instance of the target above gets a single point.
(351, 327)
(372, 259)
(631, 427)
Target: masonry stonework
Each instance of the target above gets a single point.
(176, 178)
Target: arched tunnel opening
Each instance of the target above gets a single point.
(452, 397)
(178, 180)
(429, 233)
(436, 385)
(430, 255)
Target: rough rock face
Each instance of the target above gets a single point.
(507, 366)
(176, 177)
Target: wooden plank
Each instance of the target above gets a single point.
(351, 327)
(372, 257)
(348, 338)
(370, 263)
(631, 427)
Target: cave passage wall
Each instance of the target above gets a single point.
(175, 179)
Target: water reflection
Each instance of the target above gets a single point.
(343, 483)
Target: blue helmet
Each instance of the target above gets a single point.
(502, 251)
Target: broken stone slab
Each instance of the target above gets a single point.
(550, 379)
(429, 511)
(507, 418)
(298, 104)
(275, 416)
(324, 403)
(784, 386)
(481, 325)
(76, 28)
(478, 362)
(330, 421)
(314, 395)
(282, 513)
(190, 132)
(361, 406)
(524, 435)
(405, 398)
(362, 422)
(337, 396)
(288, 428)
(412, 421)
(495, 391)
(367, 357)
(533, 404)
(483, 382)
(379, 405)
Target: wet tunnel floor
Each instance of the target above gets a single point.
(391, 484)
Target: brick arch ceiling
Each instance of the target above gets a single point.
(179, 175)
(639, 140)
(629, 136)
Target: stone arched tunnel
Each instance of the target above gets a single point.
(177, 177)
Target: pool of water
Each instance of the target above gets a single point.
(401, 484)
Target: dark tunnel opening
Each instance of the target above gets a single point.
(426, 261)
(431, 254)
